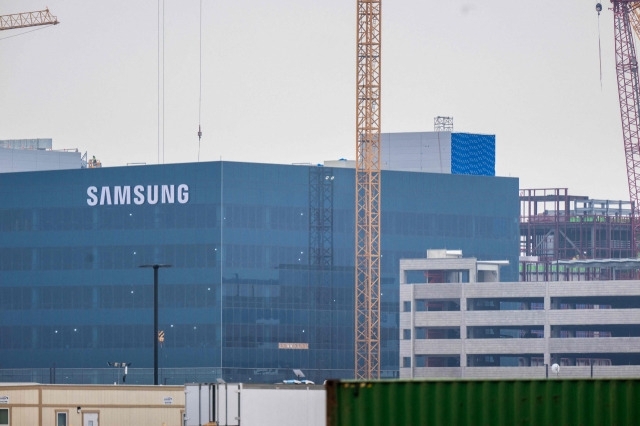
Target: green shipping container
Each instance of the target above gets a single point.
(484, 402)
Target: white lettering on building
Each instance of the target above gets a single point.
(91, 193)
(149, 194)
(183, 193)
(121, 195)
(138, 191)
(105, 196)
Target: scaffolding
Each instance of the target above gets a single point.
(556, 226)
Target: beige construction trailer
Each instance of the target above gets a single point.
(90, 405)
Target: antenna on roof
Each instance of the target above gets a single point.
(443, 124)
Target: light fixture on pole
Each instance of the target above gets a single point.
(155, 267)
(124, 366)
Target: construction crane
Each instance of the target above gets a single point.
(367, 220)
(27, 19)
(626, 17)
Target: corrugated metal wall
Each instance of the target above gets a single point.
(496, 402)
(473, 154)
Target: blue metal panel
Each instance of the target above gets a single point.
(473, 154)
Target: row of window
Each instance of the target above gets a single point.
(520, 360)
(177, 255)
(292, 306)
(523, 332)
(246, 295)
(106, 336)
(275, 315)
(287, 296)
(108, 297)
(164, 216)
(195, 335)
(522, 304)
(421, 333)
(523, 360)
(129, 217)
(270, 336)
(438, 305)
(109, 257)
(239, 216)
(242, 357)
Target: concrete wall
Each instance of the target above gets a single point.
(546, 319)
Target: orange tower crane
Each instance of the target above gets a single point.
(367, 220)
(27, 19)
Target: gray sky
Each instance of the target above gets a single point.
(278, 82)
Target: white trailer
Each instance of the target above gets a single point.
(241, 404)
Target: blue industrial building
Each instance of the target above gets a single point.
(262, 255)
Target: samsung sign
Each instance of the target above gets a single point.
(137, 194)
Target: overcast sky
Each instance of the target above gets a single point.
(278, 82)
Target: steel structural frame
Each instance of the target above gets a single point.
(321, 217)
(367, 197)
(27, 19)
(550, 213)
(627, 76)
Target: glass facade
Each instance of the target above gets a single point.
(261, 278)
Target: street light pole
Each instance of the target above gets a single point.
(155, 267)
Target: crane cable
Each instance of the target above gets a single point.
(599, 9)
(163, 68)
(26, 32)
(160, 39)
(200, 94)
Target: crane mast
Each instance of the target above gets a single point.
(27, 19)
(367, 220)
(627, 75)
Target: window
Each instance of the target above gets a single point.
(61, 418)
(406, 334)
(407, 306)
(4, 416)
(406, 361)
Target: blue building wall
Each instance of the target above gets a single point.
(252, 266)
(473, 154)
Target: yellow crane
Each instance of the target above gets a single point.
(27, 19)
(367, 220)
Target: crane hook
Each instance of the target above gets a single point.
(598, 8)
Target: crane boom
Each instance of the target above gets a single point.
(634, 15)
(629, 97)
(27, 19)
(367, 226)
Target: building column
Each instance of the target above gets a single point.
(463, 325)
(547, 325)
